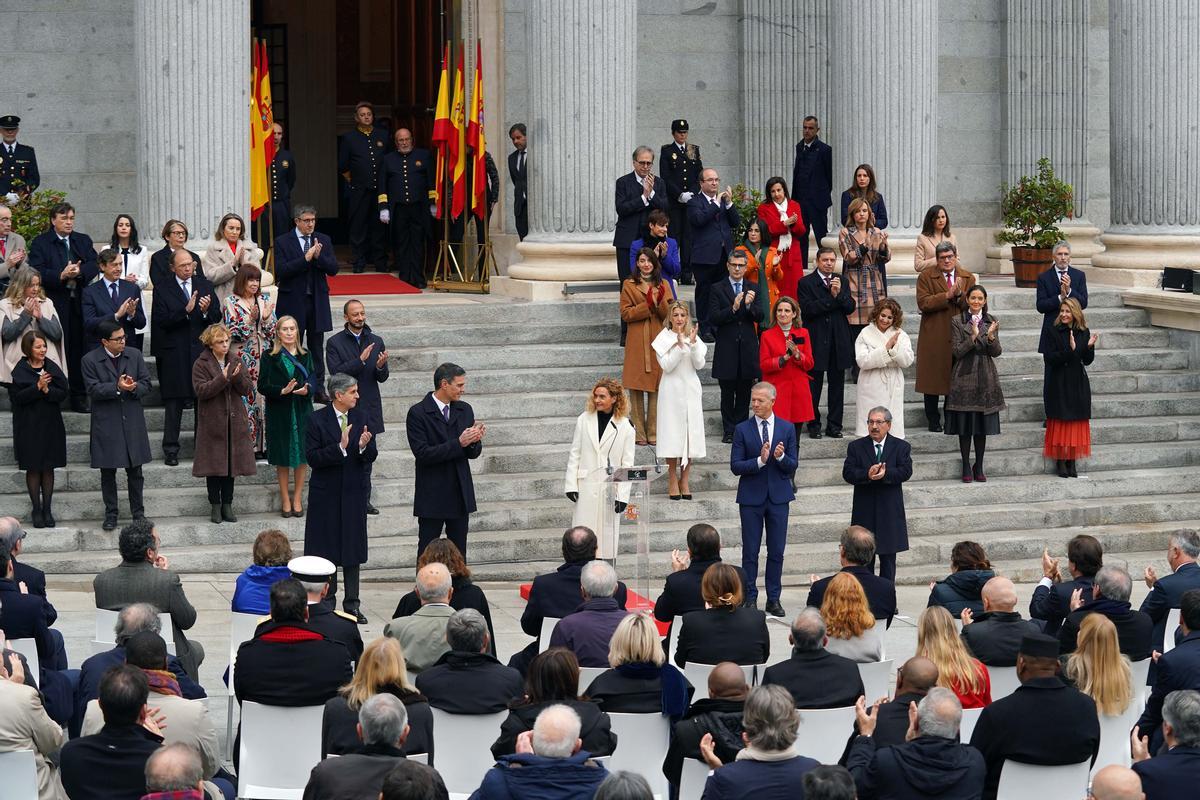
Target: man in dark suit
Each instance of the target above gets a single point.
(406, 190)
(283, 182)
(816, 677)
(1183, 548)
(360, 159)
(23, 616)
(1110, 598)
(467, 679)
(877, 465)
(856, 552)
(764, 459)
(812, 185)
(304, 260)
(636, 195)
(712, 219)
(680, 166)
(12, 537)
(589, 629)
(824, 303)
(112, 298)
(718, 715)
(1043, 722)
(19, 176)
(382, 728)
(181, 310)
(518, 172)
(994, 637)
(681, 593)
(733, 316)
(1175, 772)
(1052, 596)
(443, 435)
(314, 574)
(1055, 286)
(1177, 669)
(175, 234)
(66, 260)
(358, 352)
(338, 446)
(914, 679)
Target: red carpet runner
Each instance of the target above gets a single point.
(369, 283)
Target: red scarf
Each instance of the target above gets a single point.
(163, 682)
(291, 634)
(654, 295)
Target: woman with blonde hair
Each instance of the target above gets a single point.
(725, 630)
(287, 382)
(865, 255)
(681, 354)
(603, 438)
(380, 669)
(882, 351)
(1097, 667)
(958, 671)
(640, 681)
(223, 451)
(226, 255)
(25, 307)
(1067, 393)
(849, 623)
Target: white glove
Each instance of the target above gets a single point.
(686, 197)
(385, 216)
(11, 197)
(433, 209)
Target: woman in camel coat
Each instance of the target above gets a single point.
(227, 253)
(223, 450)
(644, 301)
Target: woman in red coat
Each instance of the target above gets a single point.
(782, 216)
(785, 357)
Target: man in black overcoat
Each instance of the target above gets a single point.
(877, 465)
(713, 220)
(338, 446)
(681, 593)
(825, 300)
(812, 184)
(733, 316)
(1110, 598)
(304, 260)
(1051, 600)
(994, 637)
(816, 677)
(443, 435)
(1177, 669)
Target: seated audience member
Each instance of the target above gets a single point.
(466, 679)
(938, 640)
(816, 677)
(409, 780)
(422, 636)
(931, 763)
(587, 631)
(553, 677)
(725, 630)
(1052, 597)
(994, 637)
(1178, 669)
(1110, 593)
(1172, 773)
(271, 554)
(828, 782)
(718, 715)
(1116, 782)
(12, 537)
(1183, 548)
(111, 763)
(1098, 669)
(640, 681)
(857, 554)
(1043, 722)
(850, 627)
(963, 587)
(25, 725)
(768, 767)
(465, 595)
(358, 775)
(681, 593)
(174, 772)
(380, 671)
(315, 574)
(914, 679)
(549, 763)
(623, 785)
(144, 576)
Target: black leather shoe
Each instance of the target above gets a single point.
(936, 427)
(48, 517)
(358, 269)
(372, 509)
(774, 609)
(687, 279)
(109, 524)
(814, 433)
(835, 434)
(358, 615)
(727, 439)
(171, 461)
(708, 337)
(750, 603)
(80, 405)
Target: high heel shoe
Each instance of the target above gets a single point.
(48, 516)
(966, 476)
(674, 497)
(686, 496)
(980, 477)
(1061, 467)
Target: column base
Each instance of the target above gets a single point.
(1080, 234)
(545, 266)
(1137, 259)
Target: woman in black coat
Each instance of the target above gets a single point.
(1068, 394)
(640, 681)
(465, 595)
(724, 630)
(963, 587)
(37, 389)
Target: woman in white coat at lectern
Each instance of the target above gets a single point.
(604, 437)
(680, 404)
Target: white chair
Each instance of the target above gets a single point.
(1168, 643)
(548, 624)
(877, 679)
(1004, 681)
(241, 629)
(1140, 673)
(106, 636)
(419, 758)
(823, 733)
(1022, 781)
(692, 778)
(587, 675)
(19, 769)
(970, 716)
(279, 747)
(469, 738)
(642, 741)
(697, 675)
(1114, 735)
(673, 637)
(28, 648)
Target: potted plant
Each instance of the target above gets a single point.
(746, 200)
(31, 213)
(1031, 211)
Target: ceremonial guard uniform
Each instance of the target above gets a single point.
(360, 160)
(18, 163)
(283, 180)
(323, 618)
(290, 664)
(406, 185)
(680, 167)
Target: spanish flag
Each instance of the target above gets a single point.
(265, 104)
(475, 138)
(458, 144)
(260, 191)
(442, 130)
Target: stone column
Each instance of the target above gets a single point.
(1155, 108)
(885, 112)
(582, 72)
(193, 60)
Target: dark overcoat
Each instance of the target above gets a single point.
(933, 341)
(118, 422)
(444, 489)
(1048, 301)
(223, 445)
(175, 333)
(342, 354)
(1068, 393)
(974, 380)
(286, 413)
(879, 505)
(335, 526)
(825, 318)
(304, 284)
(735, 356)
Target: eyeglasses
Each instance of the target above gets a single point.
(308, 220)
(120, 338)
(875, 423)
(649, 163)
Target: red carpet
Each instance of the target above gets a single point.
(369, 283)
(633, 602)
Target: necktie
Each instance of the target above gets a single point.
(521, 161)
(112, 288)
(125, 260)
(766, 436)
(344, 422)
(187, 289)
(67, 246)
(446, 414)
(949, 280)
(307, 243)
(4, 247)
(737, 287)
(828, 280)
(878, 453)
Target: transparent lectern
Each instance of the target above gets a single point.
(629, 485)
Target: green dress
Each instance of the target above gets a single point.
(287, 414)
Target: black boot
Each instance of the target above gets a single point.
(227, 512)
(1061, 466)
(1071, 473)
(39, 519)
(215, 514)
(48, 515)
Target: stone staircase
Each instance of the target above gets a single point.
(529, 368)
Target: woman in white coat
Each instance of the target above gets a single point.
(604, 437)
(681, 422)
(883, 351)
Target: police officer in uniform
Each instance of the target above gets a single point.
(680, 166)
(360, 160)
(406, 199)
(315, 573)
(283, 181)
(18, 163)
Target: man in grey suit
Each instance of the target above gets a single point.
(12, 247)
(144, 576)
(423, 635)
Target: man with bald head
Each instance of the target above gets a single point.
(422, 635)
(914, 679)
(816, 677)
(1116, 782)
(719, 714)
(994, 637)
(549, 762)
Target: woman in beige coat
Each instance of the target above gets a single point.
(25, 307)
(934, 230)
(644, 301)
(229, 251)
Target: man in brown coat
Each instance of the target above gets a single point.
(941, 293)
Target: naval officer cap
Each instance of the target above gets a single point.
(679, 126)
(311, 569)
(10, 122)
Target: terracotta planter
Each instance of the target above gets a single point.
(1029, 262)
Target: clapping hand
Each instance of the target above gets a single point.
(381, 360)
(1071, 339)
(15, 257)
(877, 471)
(648, 185)
(31, 305)
(154, 721)
(661, 249)
(708, 752)
(191, 303)
(692, 339)
(364, 439)
(289, 387)
(205, 302)
(1076, 598)
(866, 719)
(366, 353)
(1065, 283)
(126, 383)
(17, 673)
(764, 455)
(891, 343)
(835, 285)
(750, 297)
(967, 617)
(1092, 341)
(43, 382)
(301, 390)
(778, 454)
(1050, 566)
(679, 560)
(471, 435)
(995, 326)
(232, 368)
(1151, 577)
(344, 442)
(1139, 746)
(161, 562)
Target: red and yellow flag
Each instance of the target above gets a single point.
(442, 130)
(458, 144)
(477, 141)
(260, 191)
(264, 104)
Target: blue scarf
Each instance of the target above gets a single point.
(674, 685)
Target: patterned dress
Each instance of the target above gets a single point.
(864, 267)
(254, 335)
